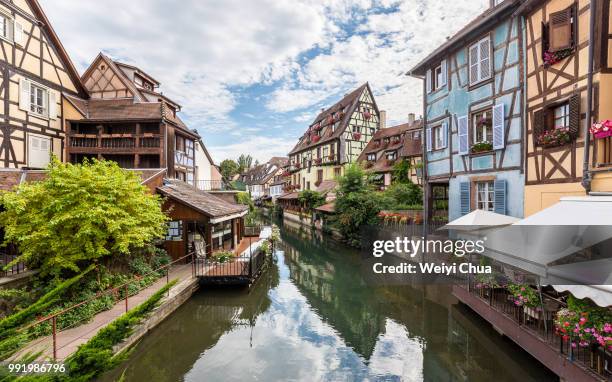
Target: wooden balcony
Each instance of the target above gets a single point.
(114, 143)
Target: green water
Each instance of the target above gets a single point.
(312, 317)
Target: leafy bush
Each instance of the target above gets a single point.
(223, 256)
(80, 214)
(245, 199)
(404, 194)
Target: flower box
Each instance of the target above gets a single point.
(317, 161)
(481, 147)
(554, 137)
(601, 130)
(315, 138)
(551, 58)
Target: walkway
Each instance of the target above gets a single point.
(69, 340)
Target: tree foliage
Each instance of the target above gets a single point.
(228, 168)
(311, 199)
(401, 171)
(244, 163)
(80, 214)
(401, 195)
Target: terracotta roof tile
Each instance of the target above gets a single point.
(377, 146)
(201, 201)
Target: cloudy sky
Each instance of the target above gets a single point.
(251, 74)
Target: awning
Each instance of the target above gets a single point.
(576, 210)
(480, 218)
(599, 294)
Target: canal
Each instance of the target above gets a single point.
(312, 317)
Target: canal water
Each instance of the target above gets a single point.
(312, 317)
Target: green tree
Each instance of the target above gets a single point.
(245, 199)
(311, 199)
(228, 168)
(357, 204)
(80, 214)
(401, 171)
(244, 163)
(402, 195)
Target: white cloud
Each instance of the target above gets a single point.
(259, 147)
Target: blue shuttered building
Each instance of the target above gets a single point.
(474, 119)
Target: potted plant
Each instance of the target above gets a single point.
(481, 147)
(601, 130)
(315, 138)
(317, 161)
(523, 295)
(554, 137)
(356, 135)
(331, 157)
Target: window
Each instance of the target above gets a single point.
(371, 157)
(561, 116)
(5, 26)
(39, 151)
(39, 99)
(337, 171)
(438, 137)
(482, 127)
(181, 176)
(10, 30)
(436, 77)
(480, 61)
(175, 231)
(485, 196)
(559, 35)
(392, 155)
(180, 143)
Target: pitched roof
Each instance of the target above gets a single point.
(199, 200)
(376, 145)
(46, 26)
(487, 19)
(327, 186)
(329, 208)
(346, 105)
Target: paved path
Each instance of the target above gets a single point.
(69, 340)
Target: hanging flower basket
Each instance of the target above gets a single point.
(551, 58)
(601, 130)
(367, 115)
(315, 138)
(330, 119)
(357, 136)
(554, 137)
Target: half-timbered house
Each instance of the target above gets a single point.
(128, 121)
(336, 137)
(557, 60)
(36, 74)
(473, 116)
(390, 145)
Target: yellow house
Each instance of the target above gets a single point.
(336, 137)
(35, 75)
(556, 76)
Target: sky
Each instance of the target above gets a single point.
(252, 74)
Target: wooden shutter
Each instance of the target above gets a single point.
(499, 129)
(19, 36)
(545, 37)
(444, 129)
(560, 30)
(499, 189)
(443, 72)
(539, 123)
(24, 94)
(428, 81)
(485, 59)
(52, 105)
(428, 138)
(574, 115)
(464, 190)
(474, 62)
(462, 131)
(39, 151)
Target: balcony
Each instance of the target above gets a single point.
(114, 143)
(602, 170)
(211, 185)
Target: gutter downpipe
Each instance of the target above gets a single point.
(586, 175)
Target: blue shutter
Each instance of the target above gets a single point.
(428, 138)
(499, 187)
(464, 189)
(444, 134)
(462, 131)
(498, 127)
(443, 70)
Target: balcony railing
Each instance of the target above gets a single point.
(604, 152)
(114, 141)
(211, 185)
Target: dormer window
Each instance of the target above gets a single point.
(392, 155)
(371, 157)
(436, 77)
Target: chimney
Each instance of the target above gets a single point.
(383, 119)
(410, 118)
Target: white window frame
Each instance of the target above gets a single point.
(371, 157)
(34, 87)
(488, 190)
(565, 116)
(478, 63)
(485, 129)
(437, 137)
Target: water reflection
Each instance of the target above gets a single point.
(312, 317)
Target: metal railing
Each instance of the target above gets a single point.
(539, 322)
(6, 259)
(211, 185)
(120, 292)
